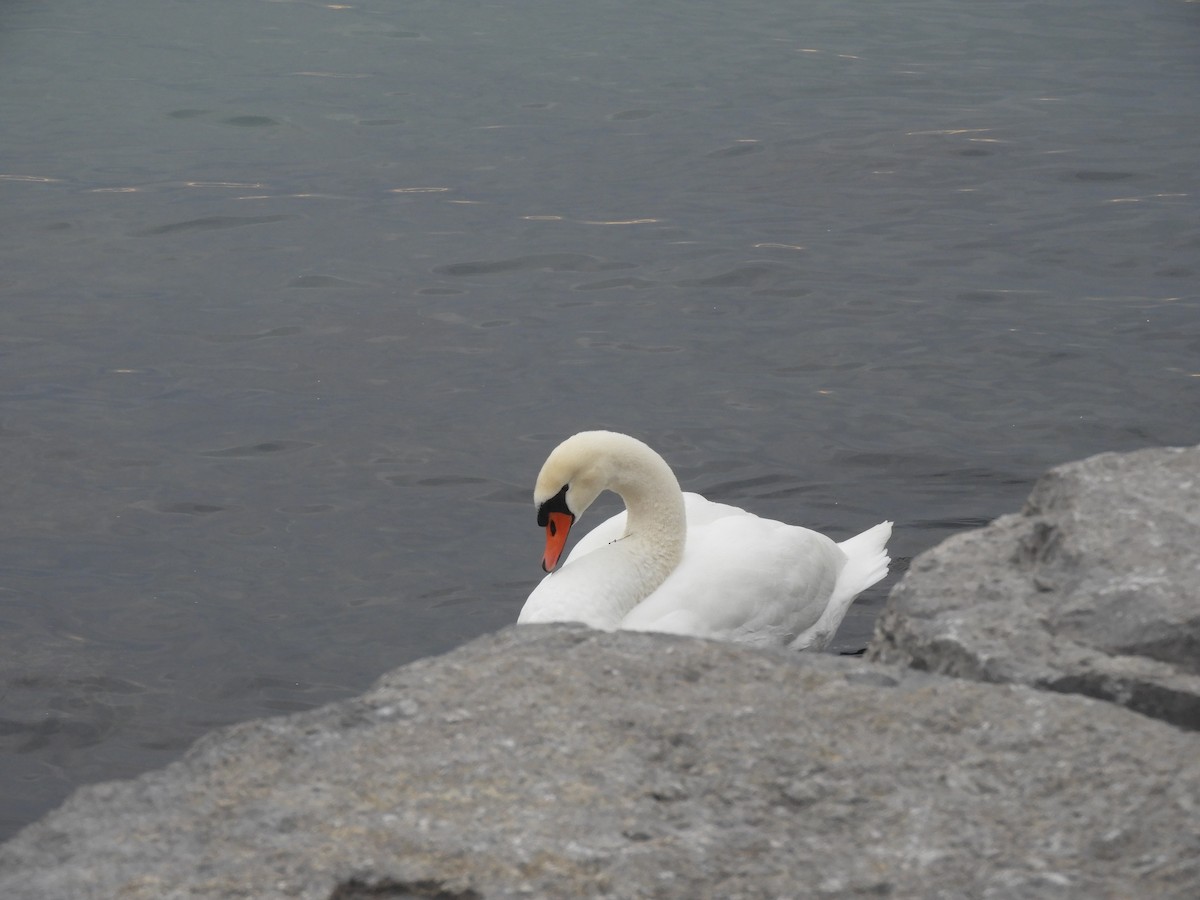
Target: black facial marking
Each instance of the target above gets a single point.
(557, 503)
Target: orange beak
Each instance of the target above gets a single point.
(558, 526)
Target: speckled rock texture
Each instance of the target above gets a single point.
(1093, 588)
(552, 761)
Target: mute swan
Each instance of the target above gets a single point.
(678, 563)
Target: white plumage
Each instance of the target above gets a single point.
(678, 563)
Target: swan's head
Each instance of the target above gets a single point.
(573, 476)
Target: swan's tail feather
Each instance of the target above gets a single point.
(866, 559)
(866, 563)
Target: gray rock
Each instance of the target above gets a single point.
(561, 762)
(1094, 588)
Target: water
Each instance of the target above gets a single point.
(297, 297)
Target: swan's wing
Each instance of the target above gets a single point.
(699, 510)
(746, 579)
(603, 534)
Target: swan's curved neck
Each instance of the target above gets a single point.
(656, 528)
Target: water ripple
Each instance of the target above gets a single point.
(551, 262)
(210, 223)
(247, 451)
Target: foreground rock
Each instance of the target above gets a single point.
(560, 762)
(1094, 588)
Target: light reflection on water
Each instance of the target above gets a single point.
(297, 299)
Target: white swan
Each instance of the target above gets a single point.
(679, 563)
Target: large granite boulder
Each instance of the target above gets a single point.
(1093, 588)
(561, 762)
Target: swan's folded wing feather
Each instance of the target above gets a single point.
(602, 535)
(744, 578)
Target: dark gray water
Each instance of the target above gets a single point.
(297, 296)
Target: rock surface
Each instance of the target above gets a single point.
(561, 762)
(1094, 588)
